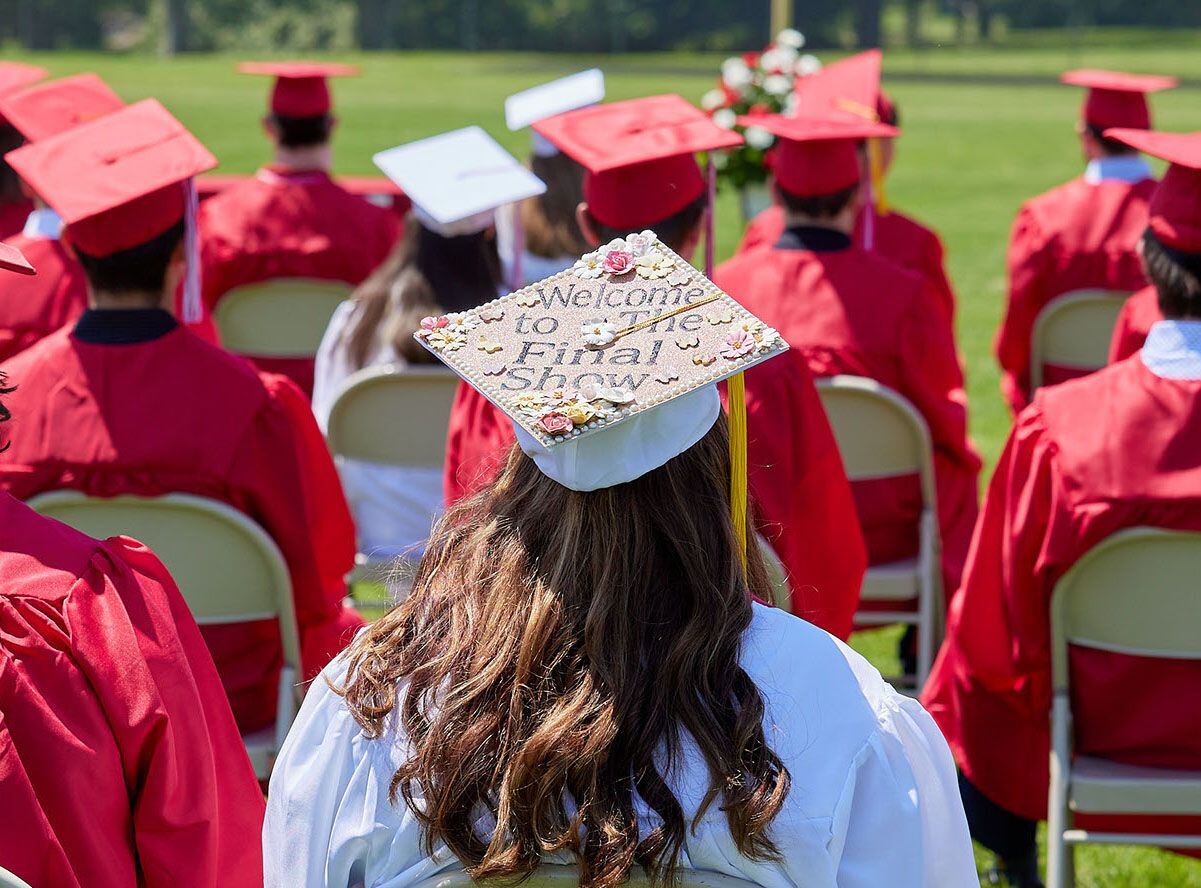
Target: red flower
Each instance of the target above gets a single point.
(555, 423)
(617, 262)
(760, 108)
(751, 59)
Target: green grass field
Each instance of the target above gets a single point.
(985, 128)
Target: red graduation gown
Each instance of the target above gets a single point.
(803, 503)
(855, 312)
(1070, 476)
(1079, 235)
(34, 306)
(281, 224)
(119, 761)
(896, 236)
(176, 414)
(1135, 320)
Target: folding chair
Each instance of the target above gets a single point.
(881, 435)
(280, 318)
(227, 567)
(11, 880)
(1134, 593)
(1074, 331)
(776, 574)
(393, 416)
(551, 876)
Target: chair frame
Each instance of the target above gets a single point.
(1052, 314)
(261, 746)
(926, 569)
(237, 340)
(557, 876)
(1181, 639)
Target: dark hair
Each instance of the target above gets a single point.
(303, 132)
(5, 416)
(529, 666)
(140, 269)
(425, 274)
(818, 206)
(10, 182)
(1108, 146)
(672, 231)
(1176, 276)
(549, 220)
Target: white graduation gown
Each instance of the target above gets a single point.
(874, 798)
(394, 507)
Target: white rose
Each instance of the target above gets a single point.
(780, 58)
(791, 38)
(713, 99)
(725, 118)
(777, 85)
(735, 73)
(790, 104)
(808, 64)
(759, 138)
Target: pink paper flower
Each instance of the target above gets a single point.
(555, 423)
(618, 262)
(738, 345)
(434, 323)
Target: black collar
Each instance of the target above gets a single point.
(811, 237)
(123, 326)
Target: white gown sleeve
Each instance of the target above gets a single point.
(329, 821)
(331, 367)
(900, 820)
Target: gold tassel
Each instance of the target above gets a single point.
(736, 391)
(876, 162)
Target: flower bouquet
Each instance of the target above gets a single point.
(756, 83)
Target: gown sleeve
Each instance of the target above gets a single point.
(900, 821)
(193, 793)
(1028, 263)
(478, 439)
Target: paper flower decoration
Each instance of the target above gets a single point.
(686, 342)
(640, 244)
(739, 344)
(589, 266)
(491, 313)
(446, 339)
(617, 262)
(555, 423)
(529, 300)
(495, 369)
(703, 360)
(462, 321)
(528, 402)
(598, 333)
(667, 378)
(579, 412)
(428, 325)
(488, 346)
(722, 317)
(654, 264)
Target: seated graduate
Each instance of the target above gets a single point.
(854, 83)
(119, 760)
(649, 179)
(848, 310)
(34, 307)
(128, 402)
(291, 219)
(541, 236)
(446, 263)
(1088, 458)
(581, 673)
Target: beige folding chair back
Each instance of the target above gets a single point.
(281, 318)
(881, 435)
(776, 574)
(1135, 593)
(549, 876)
(11, 880)
(1074, 330)
(227, 567)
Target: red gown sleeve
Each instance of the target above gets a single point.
(196, 805)
(1028, 263)
(478, 439)
(295, 494)
(934, 270)
(804, 505)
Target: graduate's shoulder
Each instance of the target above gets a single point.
(40, 557)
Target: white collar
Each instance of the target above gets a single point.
(1173, 350)
(43, 224)
(1122, 168)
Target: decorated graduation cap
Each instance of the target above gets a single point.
(817, 155)
(301, 88)
(456, 180)
(608, 369)
(58, 105)
(120, 181)
(548, 99)
(1175, 211)
(1115, 99)
(11, 259)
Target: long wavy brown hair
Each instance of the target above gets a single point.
(554, 650)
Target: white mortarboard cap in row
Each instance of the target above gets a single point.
(548, 99)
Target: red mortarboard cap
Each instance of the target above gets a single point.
(817, 155)
(58, 105)
(116, 181)
(300, 88)
(1175, 209)
(15, 76)
(1115, 99)
(850, 85)
(638, 156)
(12, 260)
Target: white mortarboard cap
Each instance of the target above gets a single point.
(557, 97)
(456, 180)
